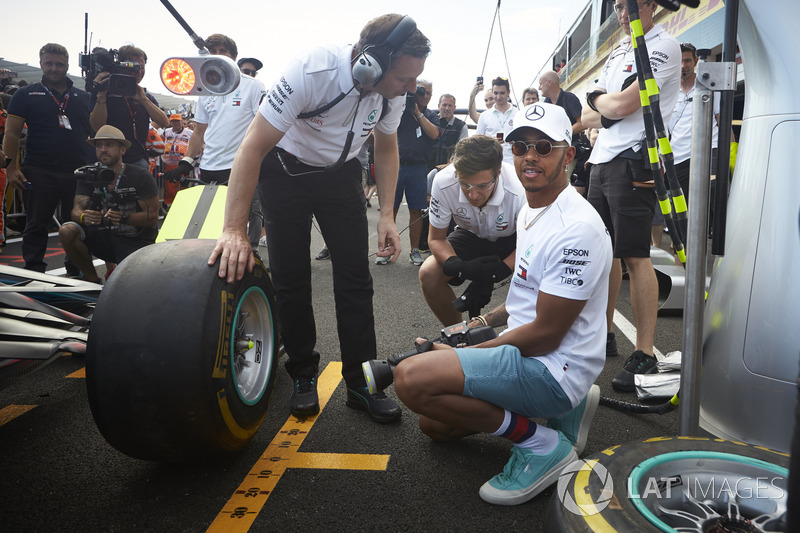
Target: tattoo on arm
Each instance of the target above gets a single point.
(497, 317)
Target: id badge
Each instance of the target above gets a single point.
(419, 132)
(63, 121)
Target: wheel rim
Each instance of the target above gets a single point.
(710, 491)
(252, 346)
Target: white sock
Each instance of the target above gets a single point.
(504, 426)
(542, 442)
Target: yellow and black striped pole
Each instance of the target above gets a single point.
(656, 135)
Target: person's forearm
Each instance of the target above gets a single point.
(430, 129)
(11, 149)
(497, 317)
(441, 249)
(158, 116)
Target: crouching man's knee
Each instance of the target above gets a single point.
(70, 232)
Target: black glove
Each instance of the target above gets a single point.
(608, 122)
(477, 295)
(487, 268)
(183, 169)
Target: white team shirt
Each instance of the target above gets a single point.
(228, 118)
(494, 220)
(665, 60)
(308, 83)
(492, 121)
(565, 253)
(680, 126)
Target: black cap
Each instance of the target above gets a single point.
(252, 60)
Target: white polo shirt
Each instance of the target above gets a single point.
(680, 125)
(565, 253)
(309, 82)
(228, 118)
(494, 220)
(665, 60)
(493, 121)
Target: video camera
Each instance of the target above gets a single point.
(380, 374)
(100, 177)
(123, 73)
(411, 98)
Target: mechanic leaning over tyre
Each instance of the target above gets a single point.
(308, 132)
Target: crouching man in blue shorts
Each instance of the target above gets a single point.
(544, 364)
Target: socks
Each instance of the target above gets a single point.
(524, 433)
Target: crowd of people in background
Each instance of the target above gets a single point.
(282, 151)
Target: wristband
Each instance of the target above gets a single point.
(590, 98)
(188, 160)
(481, 319)
(81, 218)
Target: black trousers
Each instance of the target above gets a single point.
(49, 187)
(336, 200)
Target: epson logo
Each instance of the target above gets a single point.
(576, 252)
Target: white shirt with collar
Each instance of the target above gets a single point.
(309, 82)
(680, 126)
(665, 60)
(228, 118)
(494, 220)
(491, 122)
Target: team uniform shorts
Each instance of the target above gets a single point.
(503, 377)
(626, 209)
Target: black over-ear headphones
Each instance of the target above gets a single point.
(373, 61)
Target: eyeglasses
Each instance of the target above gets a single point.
(543, 147)
(619, 8)
(249, 72)
(479, 186)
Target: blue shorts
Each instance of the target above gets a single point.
(503, 377)
(413, 180)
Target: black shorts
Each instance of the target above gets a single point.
(626, 210)
(469, 246)
(108, 245)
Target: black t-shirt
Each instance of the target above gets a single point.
(48, 144)
(133, 121)
(132, 177)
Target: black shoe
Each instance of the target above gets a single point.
(323, 254)
(611, 345)
(380, 408)
(637, 363)
(304, 401)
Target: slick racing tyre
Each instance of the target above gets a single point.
(673, 483)
(181, 365)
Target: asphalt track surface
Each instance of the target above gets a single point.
(340, 472)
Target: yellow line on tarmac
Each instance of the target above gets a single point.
(78, 373)
(249, 498)
(339, 461)
(10, 412)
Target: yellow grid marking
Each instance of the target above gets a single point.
(10, 412)
(241, 510)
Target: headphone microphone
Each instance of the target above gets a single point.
(372, 63)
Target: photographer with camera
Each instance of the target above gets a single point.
(483, 196)
(544, 364)
(57, 117)
(415, 136)
(118, 99)
(115, 210)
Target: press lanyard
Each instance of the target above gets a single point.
(63, 121)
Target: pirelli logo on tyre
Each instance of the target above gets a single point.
(223, 347)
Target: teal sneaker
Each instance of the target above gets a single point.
(415, 257)
(527, 474)
(575, 424)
